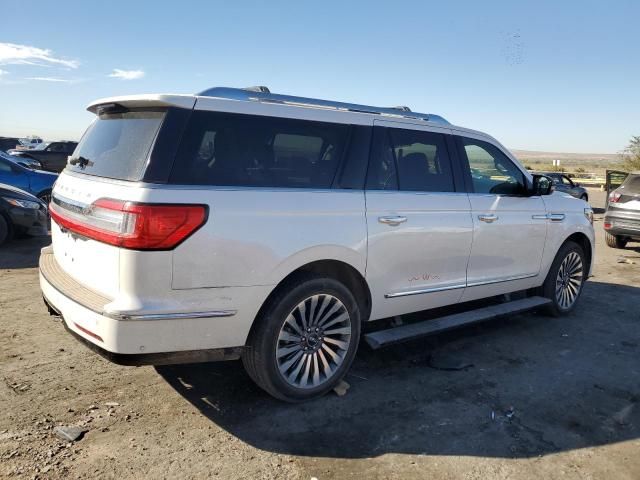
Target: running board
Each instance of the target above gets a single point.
(383, 338)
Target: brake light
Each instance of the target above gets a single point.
(614, 197)
(137, 226)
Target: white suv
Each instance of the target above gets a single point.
(237, 223)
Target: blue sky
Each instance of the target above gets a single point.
(538, 75)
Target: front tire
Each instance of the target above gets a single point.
(565, 279)
(305, 340)
(615, 241)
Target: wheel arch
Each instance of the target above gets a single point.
(584, 241)
(336, 269)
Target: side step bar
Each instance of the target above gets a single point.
(383, 338)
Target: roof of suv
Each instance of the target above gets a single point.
(260, 99)
(264, 96)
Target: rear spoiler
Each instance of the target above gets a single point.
(143, 101)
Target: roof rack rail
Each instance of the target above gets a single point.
(263, 94)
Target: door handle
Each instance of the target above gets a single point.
(394, 220)
(488, 218)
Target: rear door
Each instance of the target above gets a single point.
(509, 227)
(614, 179)
(418, 220)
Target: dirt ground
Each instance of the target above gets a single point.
(538, 398)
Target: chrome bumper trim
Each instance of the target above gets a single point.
(170, 316)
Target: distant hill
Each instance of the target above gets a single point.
(588, 161)
(569, 157)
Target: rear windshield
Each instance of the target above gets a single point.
(117, 145)
(632, 184)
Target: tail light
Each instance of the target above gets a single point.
(607, 225)
(614, 197)
(137, 226)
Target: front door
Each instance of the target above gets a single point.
(418, 220)
(509, 226)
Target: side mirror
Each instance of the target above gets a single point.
(542, 185)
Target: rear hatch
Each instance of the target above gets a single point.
(626, 196)
(106, 166)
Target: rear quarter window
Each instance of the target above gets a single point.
(223, 149)
(117, 145)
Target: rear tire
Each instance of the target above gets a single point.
(4, 230)
(305, 339)
(565, 279)
(615, 241)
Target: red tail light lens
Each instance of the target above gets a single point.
(137, 226)
(614, 197)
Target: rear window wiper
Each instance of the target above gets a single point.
(82, 162)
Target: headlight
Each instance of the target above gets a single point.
(588, 212)
(22, 203)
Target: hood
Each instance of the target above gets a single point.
(9, 191)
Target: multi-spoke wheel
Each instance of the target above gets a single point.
(313, 341)
(306, 339)
(569, 280)
(566, 278)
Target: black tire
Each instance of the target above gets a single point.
(263, 344)
(615, 241)
(45, 196)
(549, 289)
(4, 230)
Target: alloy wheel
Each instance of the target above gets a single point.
(569, 280)
(313, 341)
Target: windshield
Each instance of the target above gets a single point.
(116, 145)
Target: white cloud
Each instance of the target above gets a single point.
(50, 79)
(126, 74)
(11, 53)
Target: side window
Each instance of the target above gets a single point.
(244, 150)
(566, 180)
(491, 170)
(411, 160)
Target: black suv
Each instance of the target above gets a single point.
(53, 157)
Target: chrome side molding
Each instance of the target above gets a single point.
(406, 293)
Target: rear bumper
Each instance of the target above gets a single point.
(143, 338)
(627, 225)
(164, 358)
